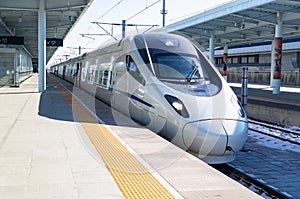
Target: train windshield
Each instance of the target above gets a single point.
(178, 63)
(180, 67)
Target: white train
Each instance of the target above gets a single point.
(165, 83)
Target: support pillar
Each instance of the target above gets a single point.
(212, 48)
(16, 81)
(272, 65)
(225, 60)
(42, 46)
(277, 54)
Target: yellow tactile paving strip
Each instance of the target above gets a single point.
(133, 179)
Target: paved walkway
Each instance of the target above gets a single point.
(41, 155)
(45, 154)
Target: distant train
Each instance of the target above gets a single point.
(257, 57)
(165, 83)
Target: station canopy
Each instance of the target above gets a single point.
(20, 19)
(241, 22)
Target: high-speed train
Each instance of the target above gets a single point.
(165, 83)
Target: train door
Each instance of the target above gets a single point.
(78, 73)
(120, 76)
(138, 107)
(64, 71)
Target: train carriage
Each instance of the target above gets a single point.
(165, 83)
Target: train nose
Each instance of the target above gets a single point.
(215, 137)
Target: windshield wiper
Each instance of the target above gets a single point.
(190, 76)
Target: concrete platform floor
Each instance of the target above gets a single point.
(41, 154)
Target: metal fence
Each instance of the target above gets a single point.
(288, 78)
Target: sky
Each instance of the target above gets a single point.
(145, 12)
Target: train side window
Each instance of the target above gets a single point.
(130, 64)
(133, 70)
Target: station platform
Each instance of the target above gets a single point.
(283, 108)
(288, 95)
(52, 146)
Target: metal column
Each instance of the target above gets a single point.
(16, 71)
(123, 29)
(212, 48)
(164, 12)
(42, 46)
(225, 60)
(277, 54)
(244, 91)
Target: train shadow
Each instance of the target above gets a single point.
(80, 108)
(103, 112)
(53, 105)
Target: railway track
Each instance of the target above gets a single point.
(256, 181)
(257, 186)
(275, 131)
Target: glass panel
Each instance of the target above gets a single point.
(174, 66)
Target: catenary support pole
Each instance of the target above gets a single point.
(212, 48)
(244, 94)
(164, 12)
(42, 46)
(225, 61)
(123, 29)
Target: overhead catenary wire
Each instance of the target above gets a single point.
(139, 12)
(110, 9)
(147, 7)
(106, 12)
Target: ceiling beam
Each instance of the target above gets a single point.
(6, 27)
(255, 19)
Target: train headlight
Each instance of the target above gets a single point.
(177, 105)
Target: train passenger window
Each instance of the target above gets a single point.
(251, 59)
(100, 74)
(235, 60)
(84, 71)
(244, 60)
(133, 70)
(104, 78)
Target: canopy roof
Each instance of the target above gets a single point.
(242, 22)
(20, 18)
